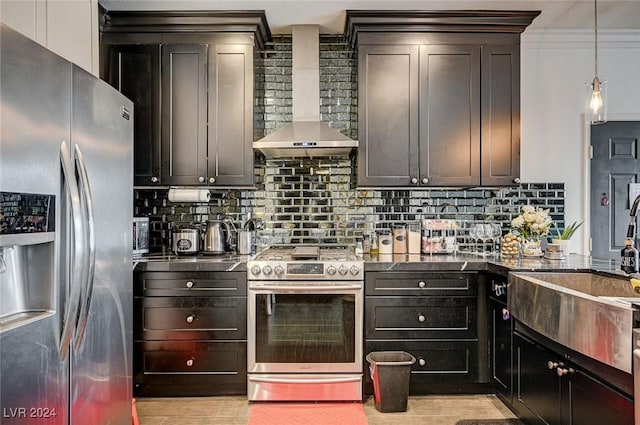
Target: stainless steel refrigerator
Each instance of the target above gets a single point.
(66, 148)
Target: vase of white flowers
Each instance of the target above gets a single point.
(532, 225)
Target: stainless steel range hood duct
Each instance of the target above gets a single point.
(306, 136)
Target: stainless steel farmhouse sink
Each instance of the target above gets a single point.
(590, 313)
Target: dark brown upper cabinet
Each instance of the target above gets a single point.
(134, 70)
(190, 75)
(438, 96)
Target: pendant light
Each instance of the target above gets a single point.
(597, 106)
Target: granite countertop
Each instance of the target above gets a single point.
(229, 262)
(388, 262)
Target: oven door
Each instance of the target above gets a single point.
(304, 327)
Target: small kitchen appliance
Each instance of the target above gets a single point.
(186, 240)
(217, 237)
(140, 235)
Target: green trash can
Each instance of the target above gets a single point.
(391, 374)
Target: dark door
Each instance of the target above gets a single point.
(501, 347)
(500, 145)
(450, 115)
(184, 114)
(593, 402)
(388, 118)
(134, 70)
(230, 115)
(615, 164)
(537, 391)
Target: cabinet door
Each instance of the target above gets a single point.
(230, 115)
(450, 115)
(501, 348)
(388, 115)
(593, 402)
(135, 71)
(500, 115)
(537, 392)
(184, 114)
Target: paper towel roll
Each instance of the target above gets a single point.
(189, 195)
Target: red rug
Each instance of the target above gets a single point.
(307, 414)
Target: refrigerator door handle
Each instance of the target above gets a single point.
(77, 251)
(90, 259)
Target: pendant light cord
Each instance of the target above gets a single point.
(595, 18)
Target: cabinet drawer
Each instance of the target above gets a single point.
(436, 360)
(393, 283)
(190, 318)
(421, 317)
(191, 284)
(185, 368)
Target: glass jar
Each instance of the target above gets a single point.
(414, 237)
(399, 239)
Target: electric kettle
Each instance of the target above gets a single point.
(216, 237)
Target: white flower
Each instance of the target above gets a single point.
(528, 209)
(517, 222)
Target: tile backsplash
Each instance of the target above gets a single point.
(311, 201)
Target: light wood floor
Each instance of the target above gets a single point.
(421, 410)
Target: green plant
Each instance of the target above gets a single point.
(568, 231)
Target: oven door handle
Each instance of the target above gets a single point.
(306, 380)
(305, 288)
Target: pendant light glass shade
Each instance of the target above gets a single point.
(597, 93)
(597, 101)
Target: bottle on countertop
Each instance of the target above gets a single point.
(374, 244)
(366, 245)
(358, 251)
(629, 260)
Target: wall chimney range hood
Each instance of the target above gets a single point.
(306, 136)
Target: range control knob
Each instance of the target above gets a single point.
(343, 270)
(267, 270)
(255, 270)
(278, 270)
(331, 270)
(354, 270)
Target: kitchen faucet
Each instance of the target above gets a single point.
(631, 230)
(630, 253)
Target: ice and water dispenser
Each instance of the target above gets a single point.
(27, 251)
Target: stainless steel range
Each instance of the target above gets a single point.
(305, 320)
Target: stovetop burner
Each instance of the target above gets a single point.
(302, 253)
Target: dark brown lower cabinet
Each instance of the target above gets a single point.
(190, 334)
(190, 368)
(500, 338)
(552, 390)
(436, 317)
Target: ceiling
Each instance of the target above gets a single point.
(330, 14)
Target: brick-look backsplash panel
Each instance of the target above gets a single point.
(311, 201)
(338, 86)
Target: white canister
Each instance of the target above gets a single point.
(385, 243)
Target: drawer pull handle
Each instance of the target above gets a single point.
(422, 284)
(552, 365)
(422, 362)
(564, 371)
(421, 318)
(190, 284)
(190, 362)
(190, 318)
